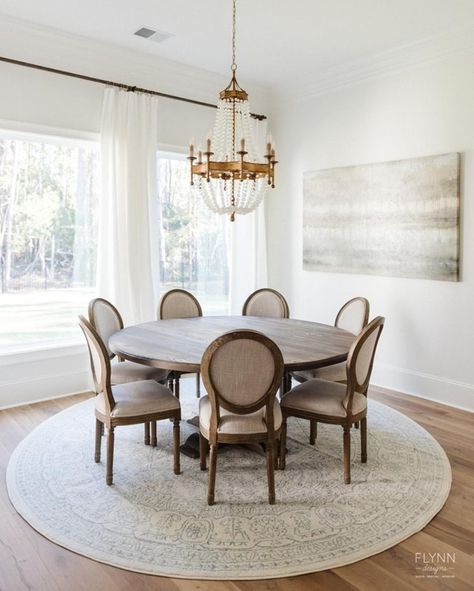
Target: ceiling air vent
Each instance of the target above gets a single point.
(153, 34)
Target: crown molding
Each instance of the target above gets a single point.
(55, 48)
(387, 63)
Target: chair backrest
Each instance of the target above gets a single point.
(361, 360)
(100, 363)
(106, 320)
(266, 302)
(178, 303)
(242, 371)
(353, 315)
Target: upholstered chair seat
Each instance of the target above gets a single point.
(128, 371)
(334, 403)
(106, 320)
(132, 403)
(242, 371)
(234, 424)
(138, 398)
(332, 373)
(353, 317)
(323, 398)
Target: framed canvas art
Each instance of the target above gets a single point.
(393, 218)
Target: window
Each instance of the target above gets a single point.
(194, 242)
(48, 217)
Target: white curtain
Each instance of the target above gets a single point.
(127, 269)
(248, 252)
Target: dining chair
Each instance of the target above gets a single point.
(334, 403)
(353, 317)
(242, 371)
(132, 403)
(266, 302)
(179, 303)
(107, 320)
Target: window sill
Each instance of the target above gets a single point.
(41, 353)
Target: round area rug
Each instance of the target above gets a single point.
(154, 522)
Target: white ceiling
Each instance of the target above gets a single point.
(276, 39)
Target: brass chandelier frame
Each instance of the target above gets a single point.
(205, 168)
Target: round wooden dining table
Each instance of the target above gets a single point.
(178, 344)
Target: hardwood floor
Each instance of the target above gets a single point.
(30, 562)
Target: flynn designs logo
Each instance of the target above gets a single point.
(431, 565)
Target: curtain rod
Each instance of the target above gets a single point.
(116, 84)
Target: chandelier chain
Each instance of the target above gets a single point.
(234, 24)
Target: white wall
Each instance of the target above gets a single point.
(40, 101)
(428, 343)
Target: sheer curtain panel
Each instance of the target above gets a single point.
(127, 270)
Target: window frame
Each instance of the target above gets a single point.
(16, 130)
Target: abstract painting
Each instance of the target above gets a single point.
(399, 219)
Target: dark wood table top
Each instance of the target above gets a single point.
(180, 343)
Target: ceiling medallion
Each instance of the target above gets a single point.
(228, 175)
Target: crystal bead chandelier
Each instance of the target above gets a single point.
(228, 175)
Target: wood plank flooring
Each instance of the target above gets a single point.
(29, 562)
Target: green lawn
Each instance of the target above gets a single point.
(41, 318)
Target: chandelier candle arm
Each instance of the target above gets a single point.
(215, 179)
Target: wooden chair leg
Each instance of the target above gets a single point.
(146, 436)
(154, 439)
(176, 387)
(271, 470)
(177, 468)
(203, 449)
(198, 385)
(313, 431)
(283, 444)
(212, 475)
(110, 455)
(276, 454)
(363, 440)
(347, 455)
(98, 439)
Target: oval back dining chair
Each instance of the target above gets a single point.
(132, 403)
(106, 320)
(179, 303)
(334, 403)
(266, 302)
(353, 317)
(242, 371)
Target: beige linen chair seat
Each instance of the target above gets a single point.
(144, 401)
(242, 371)
(138, 398)
(353, 317)
(234, 424)
(128, 371)
(323, 397)
(106, 320)
(332, 373)
(337, 404)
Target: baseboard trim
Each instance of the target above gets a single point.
(49, 398)
(423, 385)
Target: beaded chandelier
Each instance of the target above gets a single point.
(228, 175)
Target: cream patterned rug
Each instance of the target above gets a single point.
(154, 522)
